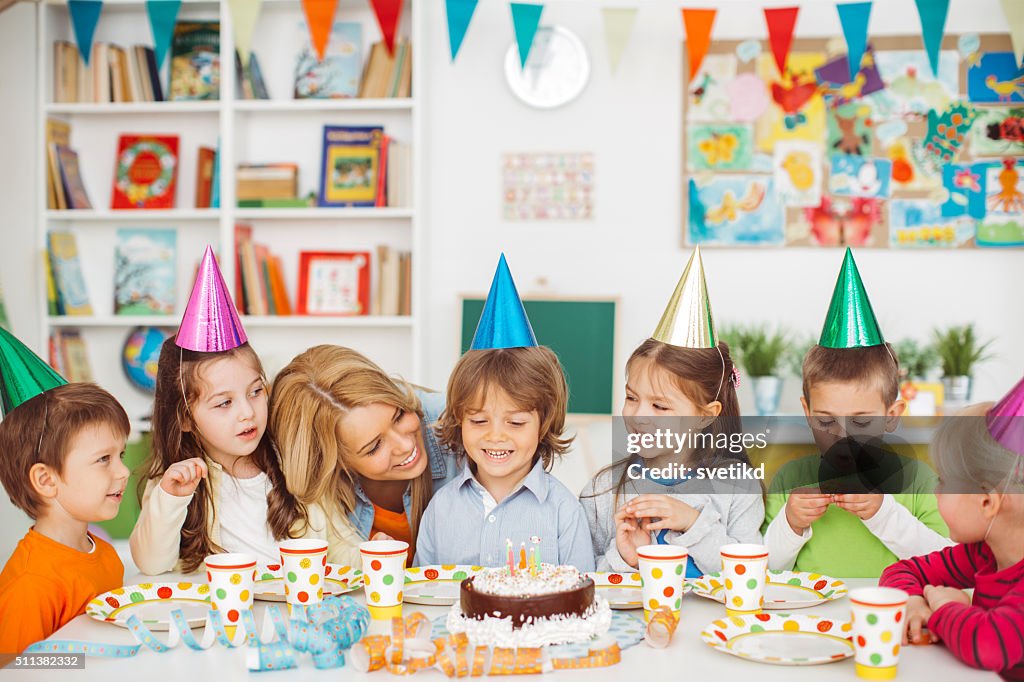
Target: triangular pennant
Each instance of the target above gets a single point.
(687, 321)
(162, 16)
(854, 18)
(244, 14)
(503, 322)
(460, 13)
(850, 322)
(933, 24)
(618, 25)
(525, 19)
(320, 20)
(1014, 11)
(781, 21)
(388, 13)
(210, 323)
(1005, 420)
(84, 15)
(23, 374)
(697, 23)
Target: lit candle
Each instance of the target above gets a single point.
(522, 555)
(511, 561)
(533, 563)
(536, 543)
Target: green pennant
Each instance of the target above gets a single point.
(23, 375)
(850, 322)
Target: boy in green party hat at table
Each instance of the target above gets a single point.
(857, 507)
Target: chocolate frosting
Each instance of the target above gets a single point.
(478, 605)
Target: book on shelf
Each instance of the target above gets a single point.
(146, 172)
(334, 283)
(72, 298)
(215, 190)
(52, 302)
(57, 133)
(195, 61)
(381, 198)
(388, 74)
(266, 181)
(115, 74)
(293, 202)
(339, 73)
(69, 356)
(394, 282)
(145, 265)
(205, 164)
(249, 83)
(259, 277)
(350, 164)
(71, 183)
(399, 174)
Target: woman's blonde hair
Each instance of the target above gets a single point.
(311, 395)
(964, 451)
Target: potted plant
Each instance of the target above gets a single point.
(917, 361)
(761, 351)
(959, 350)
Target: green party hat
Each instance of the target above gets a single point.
(850, 322)
(23, 375)
(687, 320)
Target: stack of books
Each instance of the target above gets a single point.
(69, 356)
(387, 74)
(259, 277)
(394, 282)
(64, 187)
(114, 74)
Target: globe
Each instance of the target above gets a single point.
(140, 354)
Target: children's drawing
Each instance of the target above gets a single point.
(849, 128)
(859, 177)
(964, 186)
(1000, 231)
(799, 111)
(835, 83)
(840, 221)
(797, 169)
(548, 186)
(910, 87)
(968, 45)
(998, 132)
(909, 169)
(996, 78)
(748, 97)
(947, 132)
(708, 99)
(719, 146)
(920, 223)
(735, 211)
(748, 50)
(1005, 187)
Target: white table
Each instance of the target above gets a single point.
(687, 658)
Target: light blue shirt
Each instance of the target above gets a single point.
(443, 465)
(456, 530)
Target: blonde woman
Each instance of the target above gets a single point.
(357, 446)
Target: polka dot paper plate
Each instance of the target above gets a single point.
(436, 585)
(337, 580)
(622, 590)
(781, 638)
(785, 589)
(152, 603)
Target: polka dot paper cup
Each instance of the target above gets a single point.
(878, 620)
(302, 567)
(231, 578)
(744, 570)
(662, 568)
(384, 577)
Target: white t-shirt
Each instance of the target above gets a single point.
(242, 511)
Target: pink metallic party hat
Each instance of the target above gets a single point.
(210, 323)
(1005, 420)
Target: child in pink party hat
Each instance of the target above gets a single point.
(979, 455)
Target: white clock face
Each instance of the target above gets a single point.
(556, 70)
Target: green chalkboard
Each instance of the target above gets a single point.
(582, 334)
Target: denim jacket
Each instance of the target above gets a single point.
(443, 466)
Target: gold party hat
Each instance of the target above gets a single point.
(687, 320)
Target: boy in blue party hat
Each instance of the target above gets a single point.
(505, 412)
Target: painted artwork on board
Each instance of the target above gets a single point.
(1004, 203)
(798, 110)
(998, 131)
(798, 172)
(947, 132)
(548, 186)
(735, 210)
(963, 186)
(996, 79)
(707, 94)
(719, 146)
(839, 221)
(908, 170)
(920, 223)
(860, 177)
(836, 86)
(910, 87)
(850, 128)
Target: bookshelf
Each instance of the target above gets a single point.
(248, 131)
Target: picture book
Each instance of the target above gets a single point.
(195, 61)
(71, 178)
(204, 176)
(146, 171)
(334, 283)
(350, 165)
(57, 132)
(144, 272)
(67, 274)
(339, 73)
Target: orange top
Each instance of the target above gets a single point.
(45, 584)
(395, 524)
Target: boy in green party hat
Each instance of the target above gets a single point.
(62, 446)
(857, 507)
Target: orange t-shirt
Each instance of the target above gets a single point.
(45, 584)
(395, 524)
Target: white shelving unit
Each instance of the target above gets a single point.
(276, 130)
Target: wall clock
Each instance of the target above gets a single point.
(556, 70)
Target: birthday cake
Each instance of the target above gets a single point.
(552, 605)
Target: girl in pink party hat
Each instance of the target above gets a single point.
(979, 455)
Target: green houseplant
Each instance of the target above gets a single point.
(959, 350)
(762, 352)
(917, 361)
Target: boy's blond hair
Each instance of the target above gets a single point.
(876, 365)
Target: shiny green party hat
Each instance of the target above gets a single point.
(850, 321)
(23, 375)
(687, 320)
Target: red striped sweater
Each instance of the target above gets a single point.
(989, 633)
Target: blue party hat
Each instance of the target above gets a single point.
(503, 323)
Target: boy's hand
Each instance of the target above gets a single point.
(629, 536)
(804, 508)
(673, 514)
(918, 613)
(182, 478)
(940, 596)
(863, 506)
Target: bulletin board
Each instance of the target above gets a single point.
(814, 159)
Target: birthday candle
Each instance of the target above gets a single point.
(522, 555)
(536, 543)
(533, 563)
(511, 561)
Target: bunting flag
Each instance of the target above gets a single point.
(460, 13)
(697, 24)
(781, 21)
(320, 20)
(84, 15)
(388, 13)
(933, 24)
(1014, 11)
(525, 20)
(244, 14)
(162, 16)
(618, 26)
(854, 18)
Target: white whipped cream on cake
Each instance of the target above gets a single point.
(549, 580)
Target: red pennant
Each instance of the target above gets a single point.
(320, 19)
(388, 12)
(698, 23)
(781, 22)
